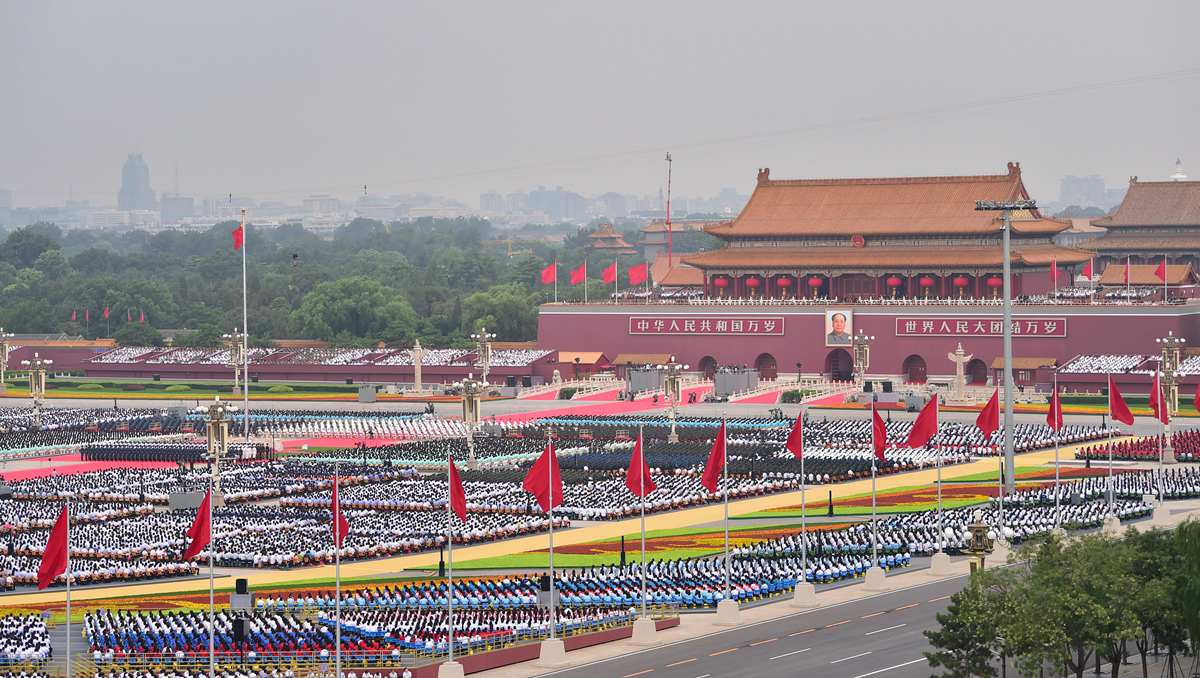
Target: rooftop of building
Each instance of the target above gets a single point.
(1156, 203)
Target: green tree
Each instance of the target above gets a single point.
(23, 246)
(137, 334)
(962, 645)
(356, 307)
(507, 310)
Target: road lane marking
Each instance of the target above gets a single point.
(873, 614)
(682, 662)
(846, 659)
(829, 626)
(905, 607)
(897, 666)
(788, 654)
(800, 633)
(639, 673)
(763, 642)
(707, 675)
(934, 600)
(718, 654)
(871, 633)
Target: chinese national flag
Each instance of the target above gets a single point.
(550, 274)
(1161, 271)
(1158, 404)
(926, 425)
(579, 274)
(878, 433)
(54, 558)
(340, 526)
(200, 533)
(458, 495)
(239, 237)
(795, 439)
(1087, 270)
(638, 274)
(716, 462)
(106, 313)
(544, 480)
(1117, 409)
(637, 478)
(988, 420)
(609, 274)
(1054, 415)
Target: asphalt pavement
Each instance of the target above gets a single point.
(876, 636)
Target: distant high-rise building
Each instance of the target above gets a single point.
(491, 202)
(1082, 191)
(135, 193)
(176, 208)
(5, 207)
(322, 204)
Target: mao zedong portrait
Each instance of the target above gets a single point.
(838, 334)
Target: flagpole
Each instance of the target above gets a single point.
(450, 554)
(68, 573)
(1056, 414)
(1111, 381)
(1000, 494)
(642, 486)
(550, 475)
(616, 281)
(803, 506)
(245, 339)
(337, 572)
(1128, 275)
(1164, 278)
(725, 491)
(874, 525)
(212, 630)
(585, 281)
(556, 280)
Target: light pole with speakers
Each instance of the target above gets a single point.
(472, 393)
(672, 387)
(37, 367)
(217, 416)
(1171, 347)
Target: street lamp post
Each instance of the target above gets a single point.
(37, 384)
(1172, 347)
(672, 381)
(217, 416)
(4, 348)
(234, 343)
(861, 345)
(472, 389)
(1006, 208)
(483, 349)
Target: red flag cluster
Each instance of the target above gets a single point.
(636, 274)
(106, 313)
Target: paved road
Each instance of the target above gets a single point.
(877, 636)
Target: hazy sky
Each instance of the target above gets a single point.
(280, 98)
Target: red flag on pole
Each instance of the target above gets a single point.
(239, 237)
(609, 274)
(637, 478)
(538, 480)
(988, 421)
(795, 439)
(1126, 270)
(1117, 409)
(1053, 270)
(128, 315)
(549, 274)
(87, 314)
(458, 495)
(54, 558)
(579, 274)
(1196, 399)
(716, 462)
(1087, 270)
(1054, 415)
(74, 315)
(926, 425)
(878, 433)
(339, 525)
(141, 316)
(200, 533)
(638, 274)
(106, 313)
(1161, 271)
(1158, 404)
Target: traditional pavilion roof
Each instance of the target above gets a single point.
(1143, 274)
(1164, 242)
(605, 237)
(883, 258)
(940, 205)
(677, 274)
(1156, 203)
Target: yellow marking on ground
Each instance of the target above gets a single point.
(873, 614)
(639, 673)
(800, 633)
(682, 662)
(718, 654)
(905, 607)
(763, 642)
(934, 600)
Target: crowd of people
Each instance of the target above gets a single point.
(1185, 444)
(73, 427)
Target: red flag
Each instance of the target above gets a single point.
(609, 274)
(1161, 271)
(1087, 270)
(128, 315)
(54, 558)
(550, 274)
(339, 525)
(1053, 270)
(1117, 409)
(638, 274)
(141, 316)
(458, 495)
(579, 274)
(200, 533)
(795, 439)
(1158, 404)
(878, 433)
(239, 237)
(74, 315)
(926, 425)
(106, 313)
(1054, 415)
(1126, 270)
(716, 462)
(988, 421)
(544, 480)
(637, 478)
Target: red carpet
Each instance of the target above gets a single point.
(836, 399)
(768, 398)
(605, 396)
(548, 395)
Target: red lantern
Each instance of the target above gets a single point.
(961, 281)
(894, 282)
(753, 282)
(815, 282)
(720, 282)
(784, 282)
(926, 281)
(995, 282)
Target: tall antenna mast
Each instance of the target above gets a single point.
(670, 249)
